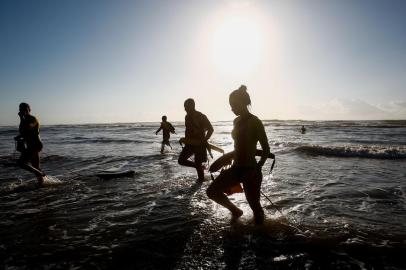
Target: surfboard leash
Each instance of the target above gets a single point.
(276, 207)
(263, 194)
(273, 164)
(273, 205)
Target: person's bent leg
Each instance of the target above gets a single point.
(215, 191)
(252, 188)
(184, 157)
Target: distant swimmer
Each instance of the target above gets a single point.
(248, 131)
(167, 129)
(303, 130)
(29, 142)
(198, 130)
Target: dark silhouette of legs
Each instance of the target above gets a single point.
(251, 180)
(215, 191)
(252, 187)
(33, 158)
(183, 160)
(200, 171)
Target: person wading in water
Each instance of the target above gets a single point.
(248, 131)
(198, 131)
(29, 142)
(167, 129)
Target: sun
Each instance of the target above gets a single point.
(237, 44)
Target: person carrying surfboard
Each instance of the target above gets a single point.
(167, 129)
(29, 142)
(248, 131)
(198, 130)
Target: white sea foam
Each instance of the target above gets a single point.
(382, 152)
(51, 180)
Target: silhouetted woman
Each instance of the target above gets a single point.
(248, 130)
(29, 142)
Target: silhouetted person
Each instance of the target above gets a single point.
(167, 129)
(248, 130)
(29, 142)
(303, 130)
(198, 130)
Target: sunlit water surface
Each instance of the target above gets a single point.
(341, 189)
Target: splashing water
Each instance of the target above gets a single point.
(52, 181)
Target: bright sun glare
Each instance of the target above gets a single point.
(237, 45)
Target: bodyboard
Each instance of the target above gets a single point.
(110, 175)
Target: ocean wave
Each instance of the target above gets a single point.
(283, 144)
(384, 124)
(379, 152)
(58, 158)
(9, 132)
(82, 140)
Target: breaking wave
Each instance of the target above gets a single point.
(379, 152)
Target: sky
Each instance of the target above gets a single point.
(129, 61)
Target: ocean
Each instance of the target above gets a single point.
(340, 187)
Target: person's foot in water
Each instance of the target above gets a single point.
(200, 172)
(236, 212)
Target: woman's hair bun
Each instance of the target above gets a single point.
(241, 95)
(243, 88)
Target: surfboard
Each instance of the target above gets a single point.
(227, 159)
(116, 174)
(197, 142)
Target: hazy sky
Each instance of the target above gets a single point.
(127, 61)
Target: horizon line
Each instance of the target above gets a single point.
(216, 121)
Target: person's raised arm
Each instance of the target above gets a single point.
(263, 140)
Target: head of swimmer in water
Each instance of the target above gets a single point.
(240, 100)
(189, 105)
(164, 118)
(24, 109)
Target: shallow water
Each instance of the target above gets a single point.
(341, 189)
